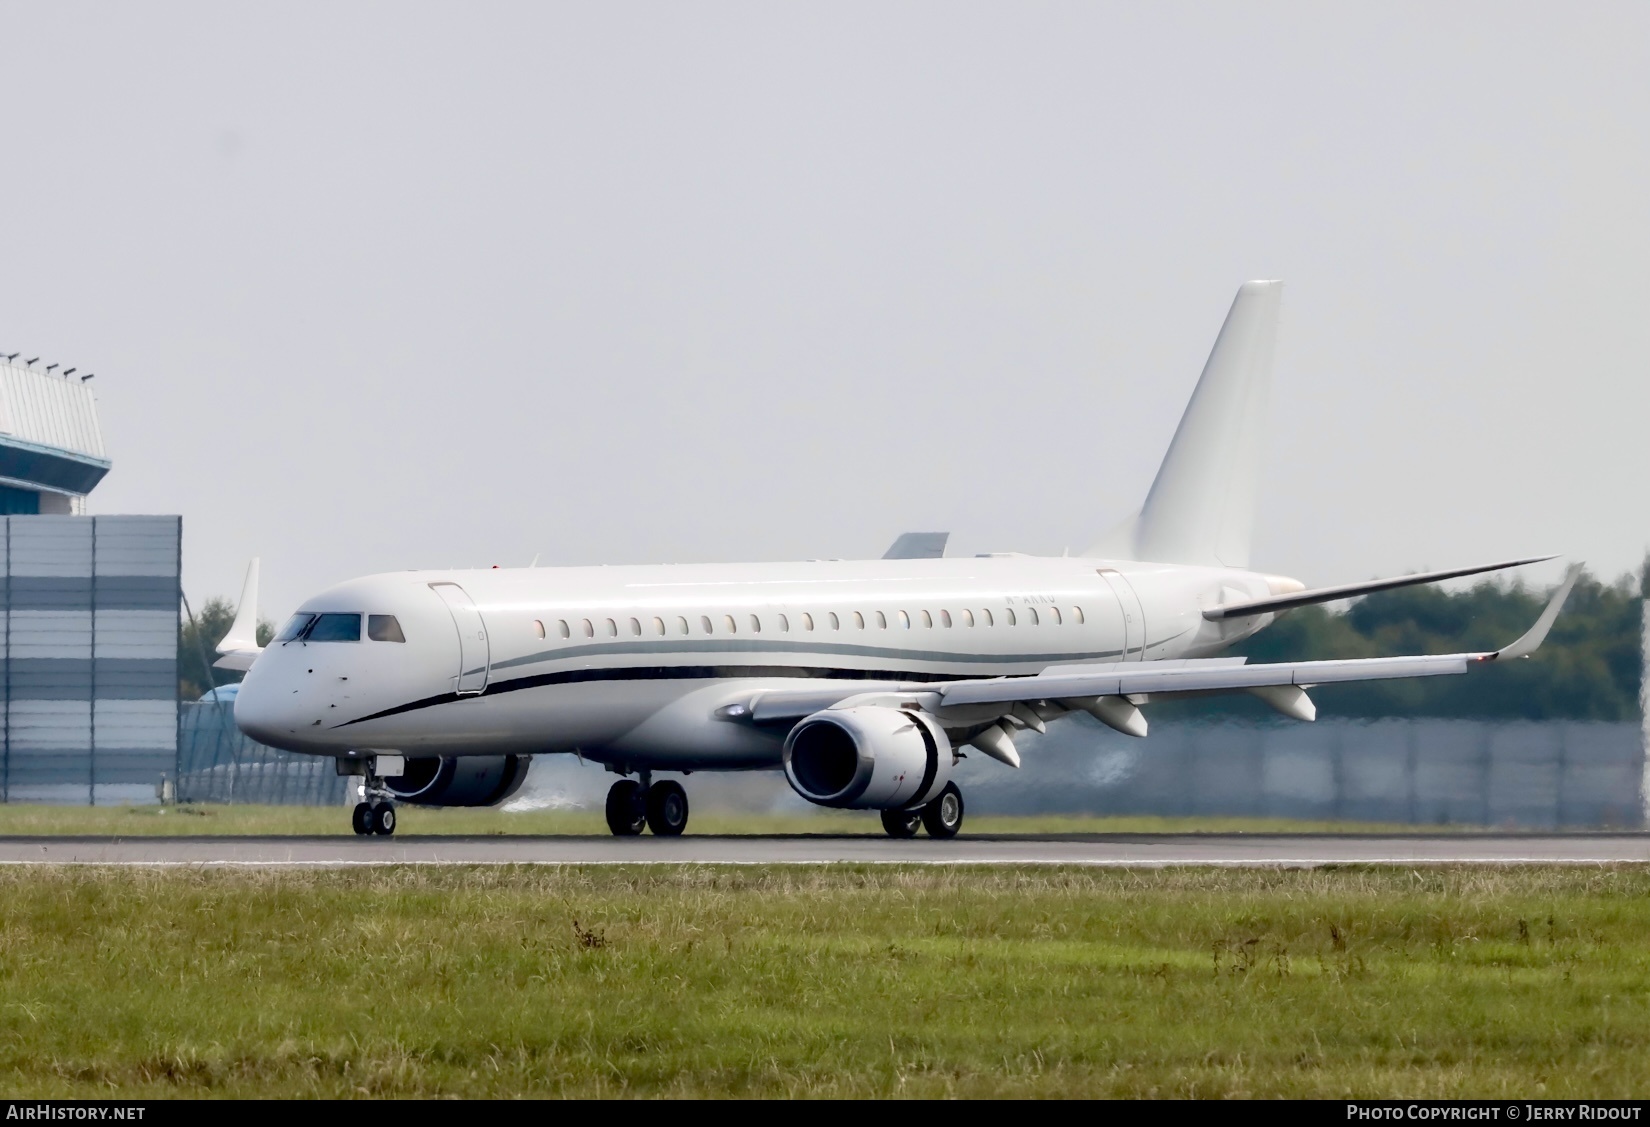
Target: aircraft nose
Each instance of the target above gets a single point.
(257, 712)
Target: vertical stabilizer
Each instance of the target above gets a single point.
(1201, 506)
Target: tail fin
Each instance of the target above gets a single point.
(1201, 507)
(240, 646)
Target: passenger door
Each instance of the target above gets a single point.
(474, 653)
(1134, 619)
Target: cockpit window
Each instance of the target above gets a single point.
(335, 628)
(384, 628)
(294, 627)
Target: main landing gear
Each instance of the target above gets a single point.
(633, 806)
(373, 818)
(942, 818)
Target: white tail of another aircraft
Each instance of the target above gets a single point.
(1201, 508)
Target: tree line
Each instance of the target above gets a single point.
(1590, 667)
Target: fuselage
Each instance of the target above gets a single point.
(629, 665)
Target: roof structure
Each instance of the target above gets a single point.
(49, 435)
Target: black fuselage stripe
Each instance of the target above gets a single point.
(664, 673)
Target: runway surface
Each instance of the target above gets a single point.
(1122, 850)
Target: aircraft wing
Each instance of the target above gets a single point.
(1275, 603)
(1064, 686)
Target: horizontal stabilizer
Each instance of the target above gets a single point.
(918, 546)
(1275, 603)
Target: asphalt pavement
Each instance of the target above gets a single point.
(1123, 850)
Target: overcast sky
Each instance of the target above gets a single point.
(370, 287)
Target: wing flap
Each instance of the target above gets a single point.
(1170, 681)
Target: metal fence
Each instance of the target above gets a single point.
(216, 763)
(1421, 771)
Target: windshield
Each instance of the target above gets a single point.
(294, 626)
(335, 628)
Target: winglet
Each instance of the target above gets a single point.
(1532, 639)
(243, 632)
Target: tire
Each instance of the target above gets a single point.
(626, 814)
(943, 817)
(902, 823)
(667, 808)
(383, 819)
(360, 819)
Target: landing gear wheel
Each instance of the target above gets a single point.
(667, 808)
(902, 823)
(943, 817)
(626, 812)
(360, 819)
(383, 819)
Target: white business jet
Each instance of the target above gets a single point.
(864, 680)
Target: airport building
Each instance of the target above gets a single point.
(88, 641)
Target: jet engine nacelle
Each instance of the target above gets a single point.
(469, 780)
(868, 757)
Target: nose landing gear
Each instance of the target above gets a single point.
(375, 815)
(633, 806)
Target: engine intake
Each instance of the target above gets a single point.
(469, 780)
(868, 757)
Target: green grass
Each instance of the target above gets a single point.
(130, 821)
(827, 981)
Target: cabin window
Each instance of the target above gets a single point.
(384, 628)
(882, 621)
(807, 621)
(1054, 612)
(1077, 615)
(904, 620)
(704, 623)
(538, 628)
(589, 629)
(945, 619)
(335, 628)
(859, 621)
(756, 625)
(1009, 614)
(784, 625)
(659, 627)
(561, 625)
(985, 616)
(836, 623)
(1032, 611)
(681, 625)
(733, 627)
(612, 629)
(927, 620)
(968, 617)
(635, 628)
